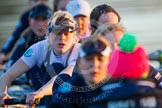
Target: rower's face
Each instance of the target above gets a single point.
(93, 68)
(61, 42)
(83, 23)
(108, 18)
(39, 25)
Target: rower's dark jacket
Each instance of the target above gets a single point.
(28, 38)
(125, 93)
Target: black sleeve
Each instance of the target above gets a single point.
(155, 75)
(62, 100)
(21, 26)
(59, 80)
(63, 96)
(59, 104)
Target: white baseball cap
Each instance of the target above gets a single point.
(78, 7)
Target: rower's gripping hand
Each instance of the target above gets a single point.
(3, 96)
(34, 98)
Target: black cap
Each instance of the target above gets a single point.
(97, 44)
(40, 10)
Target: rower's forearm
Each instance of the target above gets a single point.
(4, 82)
(68, 70)
(47, 88)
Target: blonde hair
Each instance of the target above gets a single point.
(59, 14)
(106, 28)
(94, 39)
